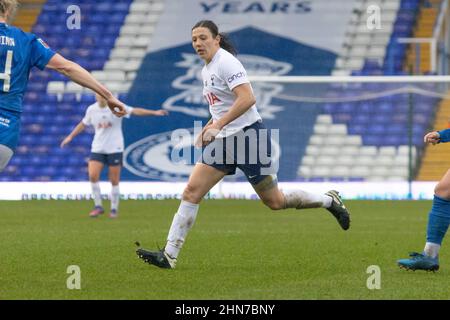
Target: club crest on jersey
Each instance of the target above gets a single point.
(104, 125)
(46, 46)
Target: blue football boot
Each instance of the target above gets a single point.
(419, 261)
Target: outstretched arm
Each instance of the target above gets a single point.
(444, 135)
(76, 131)
(435, 137)
(147, 112)
(81, 76)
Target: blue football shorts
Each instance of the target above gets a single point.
(9, 128)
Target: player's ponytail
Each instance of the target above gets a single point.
(225, 42)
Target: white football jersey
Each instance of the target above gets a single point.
(108, 136)
(220, 77)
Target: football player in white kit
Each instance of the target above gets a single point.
(107, 148)
(233, 109)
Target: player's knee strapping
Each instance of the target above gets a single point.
(438, 220)
(267, 183)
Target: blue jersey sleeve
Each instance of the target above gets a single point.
(40, 53)
(444, 135)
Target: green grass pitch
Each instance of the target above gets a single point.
(237, 250)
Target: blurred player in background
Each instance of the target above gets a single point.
(107, 148)
(232, 105)
(438, 218)
(19, 53)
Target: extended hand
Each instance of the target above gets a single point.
(432, 137)
(208, 134)
(67, 140)
(116, 106)
(161, 112)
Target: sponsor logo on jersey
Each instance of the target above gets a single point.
(4, 122)
(235, 76)
(104, 125)
(211, 98)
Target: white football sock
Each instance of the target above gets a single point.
(96, 193)
(301, 200)
(181, 224)
(432, 249)
(115, 197)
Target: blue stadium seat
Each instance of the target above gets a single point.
(67, 171)
(117, 18)
(69, 98)
(121, 7)
(29, 171)
(342, 117)
(103, 7)
(87, 98)
(373, 140)
(48, 171)
(365, 107)
(17, 160)
(329, 107)
(362, 119)
(72, 42)
(33, 129)
(377, 129)
(396, 129)
(357, 129)
(95, 65)
(41, 150)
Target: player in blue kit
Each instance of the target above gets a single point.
(19, 52)
(438, 218)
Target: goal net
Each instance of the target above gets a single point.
(356, 128)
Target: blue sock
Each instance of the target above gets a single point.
(438, 220)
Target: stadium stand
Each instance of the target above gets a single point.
(129, 48)
(363, 47)
(369, 137)
(424, 28)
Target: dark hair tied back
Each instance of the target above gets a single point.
(225, 42)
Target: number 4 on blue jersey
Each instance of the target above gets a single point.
(19, 53)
